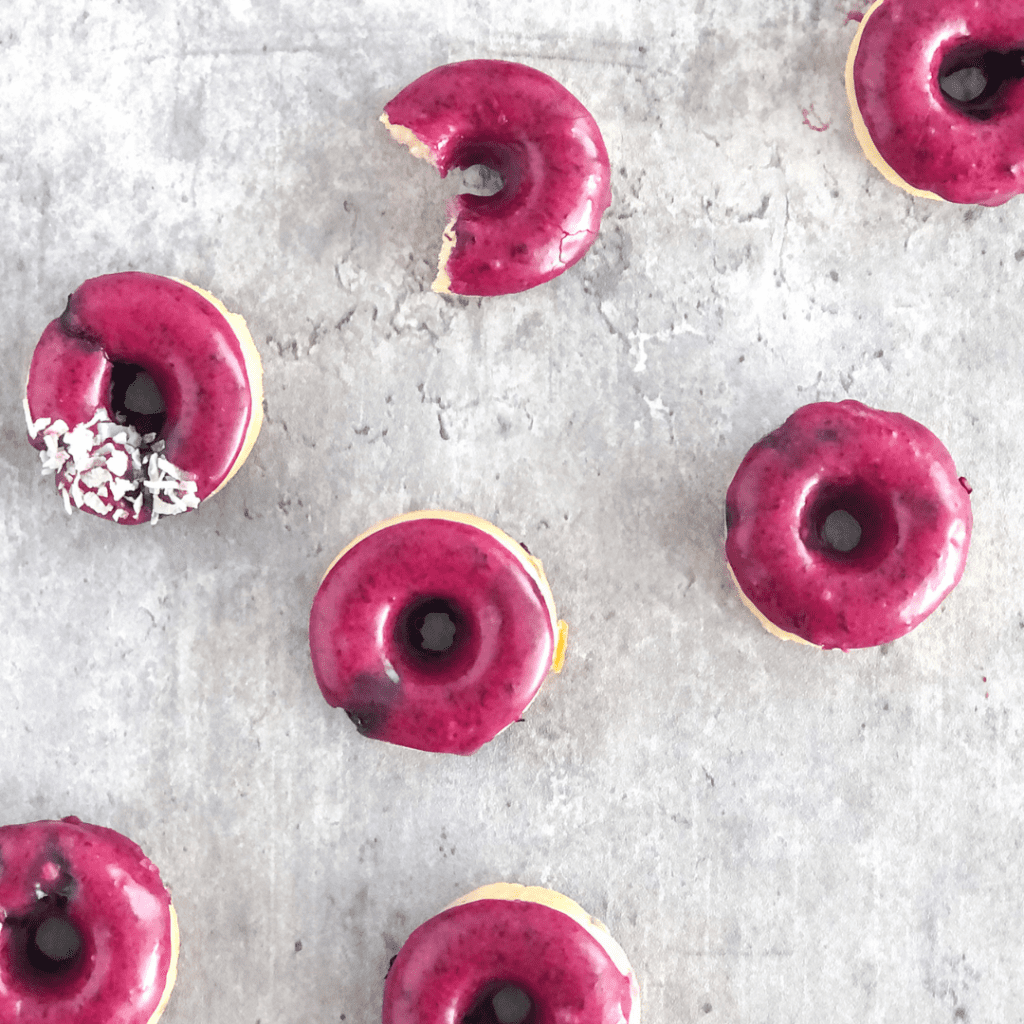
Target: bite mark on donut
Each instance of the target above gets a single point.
(443, 282)
(407, 137)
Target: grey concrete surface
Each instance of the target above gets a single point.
(774, 834)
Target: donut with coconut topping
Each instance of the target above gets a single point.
(936, 92)
(434, 630)
(846, 526)
(545, 146)
(88, 934)
(511, 953)
(133, 458)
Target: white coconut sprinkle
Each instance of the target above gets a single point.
(104, 466)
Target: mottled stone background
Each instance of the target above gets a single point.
(773, 833)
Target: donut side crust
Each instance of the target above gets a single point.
(253, 372)
(533, 566)
(598, 930)
(860, 129)
(759, 615)
(172, 969)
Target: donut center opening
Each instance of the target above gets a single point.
(54, 945)
(432, 628)
(849, 524)
(489, 173)
(841, 531)
(971, 78)
(135, 398)
(480, 180)
(45, 946)
(508, 1005)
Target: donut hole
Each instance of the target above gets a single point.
(480, 180)
(490, 172)
(501, 1003)
(841, 531)
(54, 945)
(972, 79)
(45, 947)
(135, 398)
(849, 524)
(432, 629)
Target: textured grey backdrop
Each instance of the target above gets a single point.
(774, 834)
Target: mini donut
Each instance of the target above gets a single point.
(546, 147)
(87, 931)
(928, 140)
(132, 467)
(897, 482)
(511, 936)
(434, 630)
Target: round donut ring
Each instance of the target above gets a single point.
(501, 935)
(895, 478)
(909, 129)
(116, 951)
(366, 624)
(205, 365)
(547, 149)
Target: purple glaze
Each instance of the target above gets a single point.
(548, 150)
(922, 135)
(471, 950)
(895, 477)
(453, 703)
(176, 336)
(114, 900)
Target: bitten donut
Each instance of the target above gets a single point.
(503, 937)
(546, 147)
(87, 931)
(434, 630)
(109, 456)
(936, 90)
(896, 482)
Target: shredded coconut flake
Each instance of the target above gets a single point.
(109, 467)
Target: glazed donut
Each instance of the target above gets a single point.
(546, 147)
(87, 931)
(888, 474)
(511, 936)
(122, 464)
(936, 91)
(434, 630)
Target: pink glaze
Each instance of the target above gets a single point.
(465, 954)
(176, 335)
(894, 477)
(924, 137)
(113, 897)
(548, 150)
(452, 701)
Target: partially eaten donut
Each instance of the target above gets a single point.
(546, 147)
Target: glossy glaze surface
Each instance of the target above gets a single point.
(898, 481)
(113, 896)
(176, 335)
(460, 958)
(549, 152)
(912, 128)
(452, 703)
